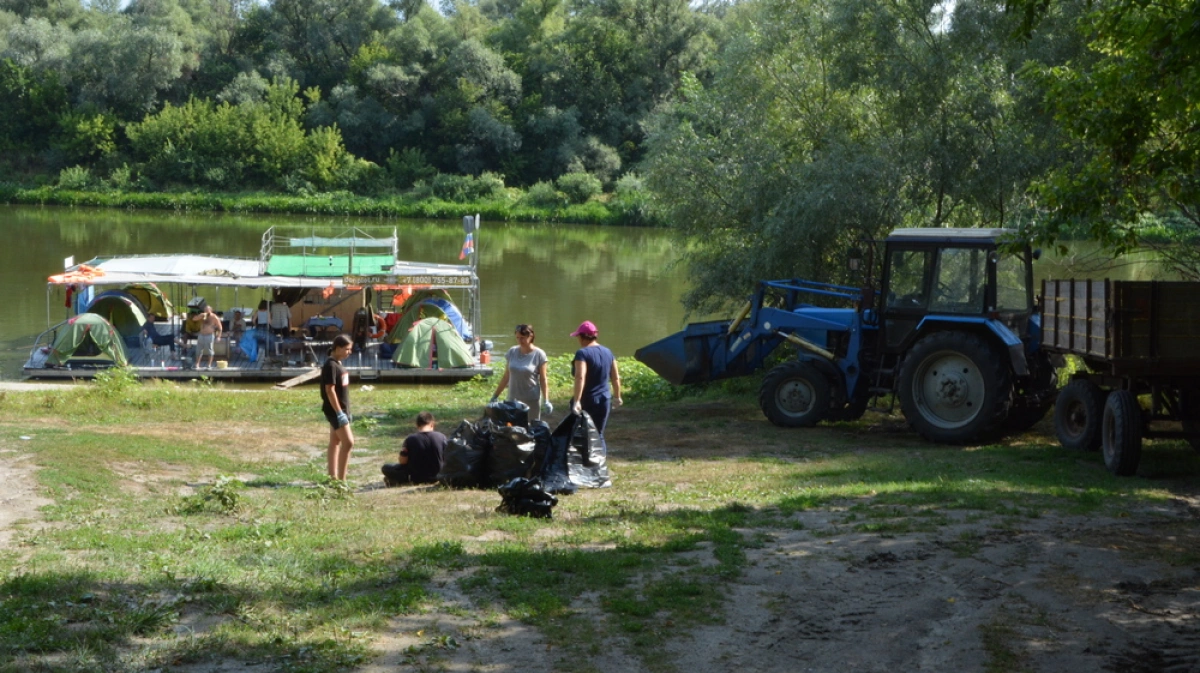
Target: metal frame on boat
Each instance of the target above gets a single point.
(329, 281)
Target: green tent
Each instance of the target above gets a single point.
(152, 299)
(87, 339)
(413, 310)
(433, 338)
(123, 311)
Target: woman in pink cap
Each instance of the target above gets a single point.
(595, 369)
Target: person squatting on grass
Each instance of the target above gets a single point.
(421, 455)
(335, 404)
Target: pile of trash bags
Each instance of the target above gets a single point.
(505, 446)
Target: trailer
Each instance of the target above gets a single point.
(1140, 344)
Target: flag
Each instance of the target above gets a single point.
(468, 247)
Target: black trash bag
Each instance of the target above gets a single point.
(540, 432)
(464, 463)
(526, 497)
(576, 458)
(551, 465)
(505, 413)
(512, 453)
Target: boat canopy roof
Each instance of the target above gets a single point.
(231, 271)
(284, 261)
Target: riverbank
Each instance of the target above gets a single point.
(603, 212)
(188, 529)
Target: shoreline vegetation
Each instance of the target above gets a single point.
(512, 206)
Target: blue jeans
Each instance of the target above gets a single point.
(598, 408)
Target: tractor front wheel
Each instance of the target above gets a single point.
(795, 395)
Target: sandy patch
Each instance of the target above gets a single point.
(19, 499)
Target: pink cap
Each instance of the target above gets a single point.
(587, 328)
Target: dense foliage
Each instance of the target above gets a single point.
(359, 95)
(773, 134)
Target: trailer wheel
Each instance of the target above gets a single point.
(1078, 415)
(794, 395)
(1191, 416)
(955, 389)
(1122, 434)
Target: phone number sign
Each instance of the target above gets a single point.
(383, 279)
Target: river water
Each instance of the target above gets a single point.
(551, 276)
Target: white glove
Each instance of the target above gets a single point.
(494, 399)
(547, 408)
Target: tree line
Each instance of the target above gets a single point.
(771, 133)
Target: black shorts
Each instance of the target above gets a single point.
(331, 416)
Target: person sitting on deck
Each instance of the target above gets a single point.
(152, 337)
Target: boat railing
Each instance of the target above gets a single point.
(41, 342)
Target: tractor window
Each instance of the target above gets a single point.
(1012, 294)
(909, 270)
(960, 281)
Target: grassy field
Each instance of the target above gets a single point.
(191, 524)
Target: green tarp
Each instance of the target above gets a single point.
(89, 337)
(328, 266)
(417, 349)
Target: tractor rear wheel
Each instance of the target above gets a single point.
(955, 388)
(795, 395)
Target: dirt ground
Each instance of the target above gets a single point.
(1070, 594)
(1048, 594)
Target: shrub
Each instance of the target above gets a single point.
(544, 195)
(408, 167)
(121, 177)
(464, 188)
(75, 178)
(579, 187)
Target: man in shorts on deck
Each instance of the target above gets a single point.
(210, 331)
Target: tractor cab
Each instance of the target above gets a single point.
(952, 275)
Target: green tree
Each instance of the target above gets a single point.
(321, 37)
(830, 122)
(1129, 107)
(30, 106)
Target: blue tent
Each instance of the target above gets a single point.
(454, 315)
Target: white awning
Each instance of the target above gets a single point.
(231, 271)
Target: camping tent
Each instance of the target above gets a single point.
(123, 311)
(452, 314)
(151, 299)
(87, 339)
(430, 339)
(414, 310)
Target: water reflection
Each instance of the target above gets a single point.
(554, 277)
(551, 276)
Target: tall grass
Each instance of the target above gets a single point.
(336, 203)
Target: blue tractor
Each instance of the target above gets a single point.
(952, 334)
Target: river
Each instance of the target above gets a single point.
(551, 276)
